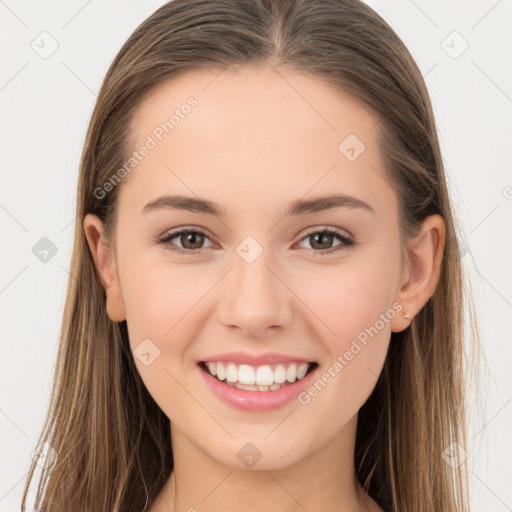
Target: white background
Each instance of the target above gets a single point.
(46, 105)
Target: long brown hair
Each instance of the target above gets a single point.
(111, 439)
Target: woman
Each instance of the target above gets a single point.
(266, 304)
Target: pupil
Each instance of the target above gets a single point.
(190, 237)
(321, 235)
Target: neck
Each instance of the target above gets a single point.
(324, 481)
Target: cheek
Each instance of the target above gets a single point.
(161, 302)
(355, 307)
(158, 298)
(348, 298)
(162, 315)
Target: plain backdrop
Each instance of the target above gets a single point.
(54, 57)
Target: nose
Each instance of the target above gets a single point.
(255, 298)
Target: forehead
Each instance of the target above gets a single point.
(263, 99)
(270, 131)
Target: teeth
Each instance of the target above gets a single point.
(279, 374)
(264, 376)
(254, 388)
(231, 373)
(213, 368)
(302, 370)
(246, 374)
(246, 387)
(221, 372)
(260, 378)
(291, 373)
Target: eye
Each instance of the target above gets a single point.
(191, 240)
(322, 239)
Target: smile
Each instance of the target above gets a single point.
(257, 378)
(253, 387)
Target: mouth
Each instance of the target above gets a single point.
(262, 378)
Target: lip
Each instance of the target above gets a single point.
(256, 400)
(242, 357)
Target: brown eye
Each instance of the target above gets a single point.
(191, 241)
(321, 240)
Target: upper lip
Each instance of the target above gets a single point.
(242, 357)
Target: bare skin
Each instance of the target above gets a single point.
(258, 140)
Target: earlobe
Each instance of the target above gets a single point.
(422, 271)
(104, 262)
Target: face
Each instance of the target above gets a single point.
(259, 283)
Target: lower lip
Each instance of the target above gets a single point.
(256, 400)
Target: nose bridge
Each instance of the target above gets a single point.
(253, 298)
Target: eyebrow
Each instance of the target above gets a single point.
(296, 207)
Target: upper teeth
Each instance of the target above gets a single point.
(259, 375)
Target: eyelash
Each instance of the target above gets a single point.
(347, 243)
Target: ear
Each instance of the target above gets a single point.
(421, 270)
(105, 263)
